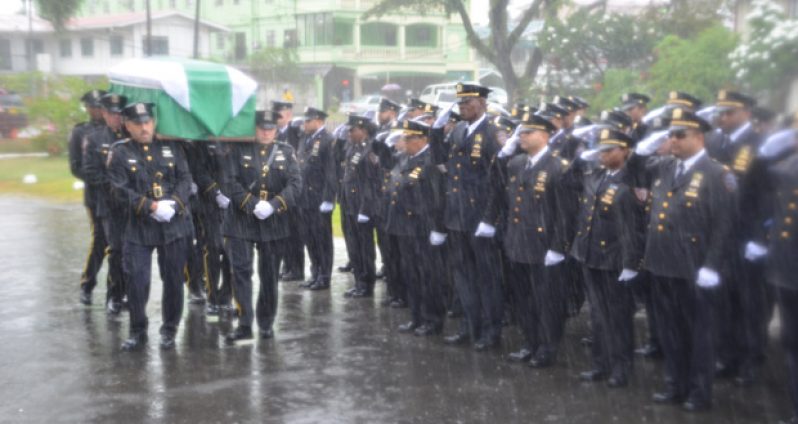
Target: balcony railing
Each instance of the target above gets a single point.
(370, 53)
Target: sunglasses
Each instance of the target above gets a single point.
(677, 134)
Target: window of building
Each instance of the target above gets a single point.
(65, 48)
(290, 39)
(421, 35)
(86, 47)
(160, 46)
(343, 32)
(5, 54)
(378, 34)
(37, 46)
(117, 45)
(270, 38)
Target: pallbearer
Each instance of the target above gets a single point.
(151, 178)
(263, 181)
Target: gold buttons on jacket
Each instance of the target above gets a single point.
(540, 229)
(665, 205)
(660, 228)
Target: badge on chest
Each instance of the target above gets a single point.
(316, 146)
(355, 158)
(540, 181)
(609, 196)
(743, 159)
(695, 185)
(415, 173)
(476, 151)
(166, 152)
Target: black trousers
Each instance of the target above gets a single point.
(397, 288)
(641, 287)
(293, 257)
(240, 255)
(743, 316)
(476, 269)
(611, 319)
(418, 270)
(171, 264)
(206, 264)
(685, 314)
(114, 228)
(575, 284)
(94, 259)
(362, 253)
(788, 305)
(539, 301)
(316, 231)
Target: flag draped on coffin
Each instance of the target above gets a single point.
(193, 99)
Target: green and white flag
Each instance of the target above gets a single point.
(193, 99)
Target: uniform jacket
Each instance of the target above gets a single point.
(317, 167)
(360, 184)
(96, 147)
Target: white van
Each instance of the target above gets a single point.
(430, 94)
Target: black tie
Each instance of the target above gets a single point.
(679, 171)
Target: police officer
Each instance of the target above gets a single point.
(692, 200)
(415, 218)
(608, 245)
(744, 314)
(294, 253)
(77, 139)
(636, 106)
(151, 178)
(386, 119)
(112, 214)
(528, 195)
(474, 255)
(263, 180)
(317, 164)
(416, 108)
(680, 99)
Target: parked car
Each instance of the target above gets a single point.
(12, 114)
(361, 105)
(431, 92)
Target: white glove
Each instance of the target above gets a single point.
(164, 211)
(553, 258)
(755, 251)
(326, 207)
(263, 210)
(444, 117)
(222, 201)
(510, 146)
(436, 238)
(362, 219)
(707, 278)
(391, 140)
(194, 188)
(650, 144)
(485, 230)
(627, 275)
(590, 155)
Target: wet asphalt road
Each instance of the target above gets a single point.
(332, 360)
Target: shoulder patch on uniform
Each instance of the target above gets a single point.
(730, 181)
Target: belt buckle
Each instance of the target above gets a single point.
(157, 191)
(264, 195)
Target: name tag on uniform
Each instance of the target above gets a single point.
(247, 157)
(279, 156)
(167, 152)
(131, 161)
(316, 146)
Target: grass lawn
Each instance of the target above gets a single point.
(55, 182)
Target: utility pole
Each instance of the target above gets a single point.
(196, 30)
(149, 31)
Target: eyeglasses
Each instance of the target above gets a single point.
(677, 134)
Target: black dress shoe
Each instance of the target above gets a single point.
(484, 345)
(649, 351)
(617, 380)
(292, 276)
(428, 330)
(320, 285)
(135, 342)
(398, 303)
(240, 333)
(522, 355)
(668, 395)
(544, 360)
(696, 405)
(167, 342)
(307, 284)
(85, 297)
(362, 293)
(408, 327)
(266, 333)
(457, 339)
(196, 298)
(386, 302)
(345, 268)
(351, 291)
(212, 310)
(593, 375)
(113, 308)
(725, 370)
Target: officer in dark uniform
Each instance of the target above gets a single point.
(263, 180)
(778, 244)
(617, 120)
(528, 194)
(359, 201)
(77, 139)
(294, 253)
(416, 108)
(582, 105)
(744, 315)
(415, 218)
(636, 106)
(112, 214)
(386, 119)
(317, 200)
(683, 100)
(609, 245)
(474, 253)
(151, 178)
(690, 220)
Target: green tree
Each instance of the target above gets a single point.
(616, 82)
(497, 48)
(58, 12)
(275, 65)
(699, 66)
